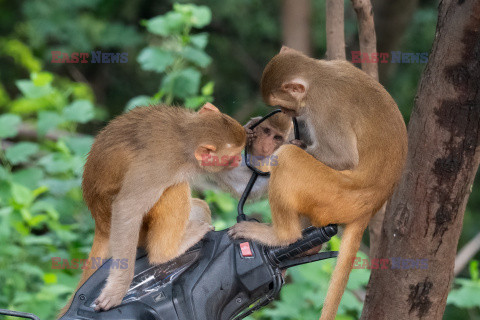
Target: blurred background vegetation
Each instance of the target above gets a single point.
(177, 53)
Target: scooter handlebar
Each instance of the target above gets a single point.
(312, 237)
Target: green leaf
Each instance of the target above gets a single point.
(473, 267)
(79, 145)
(207, 90)
(21, 152)
(139, 101)
(48, 120)
(199, 40)
(196, 56)
(155, 59)
(50, 278)
(3, 173)
(9, 125)
(467, 295)
(169, 24)
(182, 84)
(41, 78)
(201, 16)
(60, 187)
(56, 163)
(79, 111)
(29, 177)
(37, 220)
(195, 102)
(21, 195)
(32, 91)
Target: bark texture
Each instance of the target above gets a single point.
(366, 33)
(335, 30)
(424, 217)
(296, 25)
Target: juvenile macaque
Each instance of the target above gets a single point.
(357, 150)
(262, 143)
(136, 185)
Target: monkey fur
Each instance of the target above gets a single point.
(354, 159)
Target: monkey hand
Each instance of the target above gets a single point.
(250, 135)
(298, 143)
(243, 230)
(112, 294)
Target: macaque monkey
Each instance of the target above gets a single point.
(357, 150)
(136, 185)
(262, 141)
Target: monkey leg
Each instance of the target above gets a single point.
(200, 211)
(127, 213)
(170, 233)
(100, 250)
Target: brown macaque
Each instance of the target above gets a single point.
(136, 185)
(356, 154)
(262, 142)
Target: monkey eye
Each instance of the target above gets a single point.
(266, 130)
(278, 138)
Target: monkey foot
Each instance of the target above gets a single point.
(261, 233)
(110, 297)
(253, 231)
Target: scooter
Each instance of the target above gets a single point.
(217, 279)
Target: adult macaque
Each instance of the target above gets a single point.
(351, 167)
(262, 143)
(136, 185)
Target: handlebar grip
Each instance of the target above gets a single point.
(312, 237)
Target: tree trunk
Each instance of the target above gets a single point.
(424, 217)
(366, 34)
(296, 25)
(335, 30)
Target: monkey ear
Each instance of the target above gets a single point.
(204, 149)
(208, 107)
(297, 88)
(286, 49)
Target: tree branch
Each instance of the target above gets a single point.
(335, 30)
(366, 33)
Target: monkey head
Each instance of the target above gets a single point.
(269, 135)
(219, 141)
(285, 81)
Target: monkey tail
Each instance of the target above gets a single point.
(100, 249)
(351, 238)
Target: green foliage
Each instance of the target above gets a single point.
(42, 214)
(466, 293)
(179, 56)
(75, 26)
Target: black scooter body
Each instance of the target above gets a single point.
(205, 290)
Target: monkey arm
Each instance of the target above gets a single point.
(335, 146)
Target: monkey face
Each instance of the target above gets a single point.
(267, 140)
